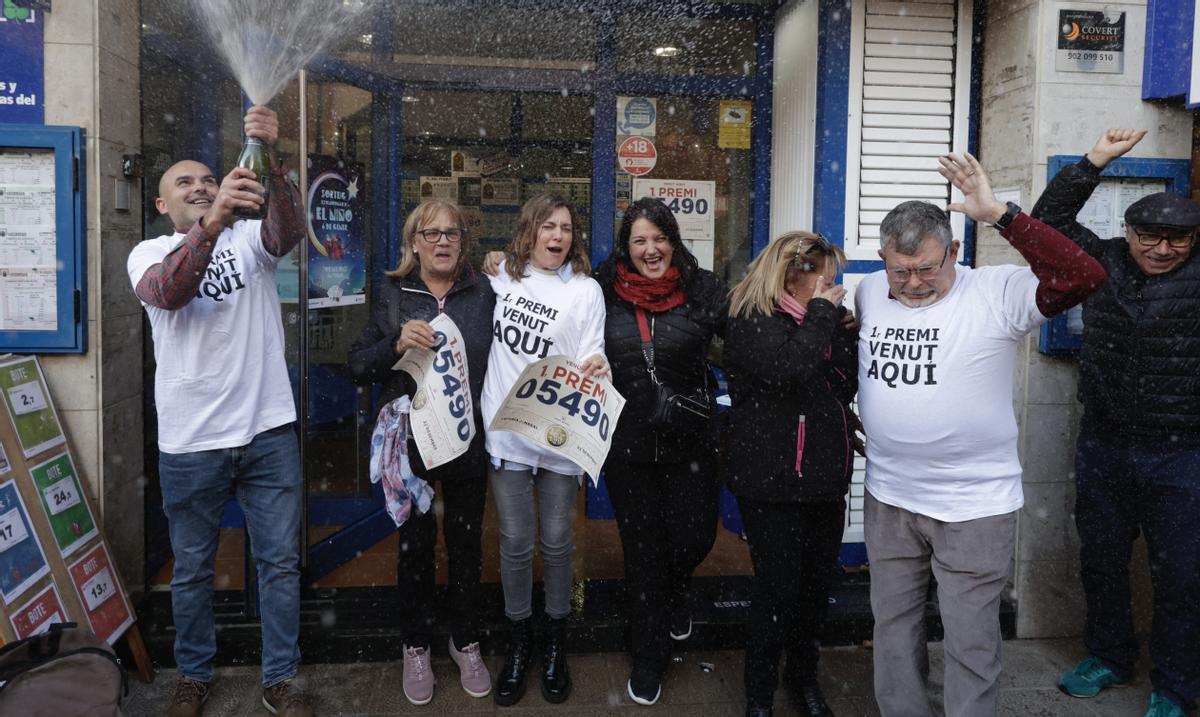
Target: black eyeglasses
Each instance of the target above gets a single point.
(1175, 241)
(432, 236)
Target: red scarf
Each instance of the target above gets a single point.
(650, 294)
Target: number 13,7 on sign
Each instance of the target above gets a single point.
(98, 589)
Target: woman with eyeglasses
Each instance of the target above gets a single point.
(663, 311)
(791, 354)
(433, 278)
(547, 305)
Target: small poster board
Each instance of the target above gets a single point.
(22, 560)
(29, 407)
(37, 615)
(62, 497)
(103, 600)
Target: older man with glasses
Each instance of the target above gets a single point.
(1137, 462)
(937, 347)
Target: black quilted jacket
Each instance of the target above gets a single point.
(1139, 370)
(681, 340)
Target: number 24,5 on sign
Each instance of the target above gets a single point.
(445, 360)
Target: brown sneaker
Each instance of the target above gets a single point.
(187, 698)
(286, 700)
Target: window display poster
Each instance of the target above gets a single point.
(439, 188)
(637, 116)
(500, 192)
(464, 163)
(733, 129)
(37, 615)
(22, 561)
(28, 402)
(21, 65)
(101, 596)
(337, 264)
(70, 518)
(5, 466)
(693, 203)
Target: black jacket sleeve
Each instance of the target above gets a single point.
(372, 354)
(843, 378)
(780, 356)
(1066, 194)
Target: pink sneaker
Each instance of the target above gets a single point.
(473, 674)
(418, 675)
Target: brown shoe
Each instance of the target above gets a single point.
(286, 700)
(187, 699)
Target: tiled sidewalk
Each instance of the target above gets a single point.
(698, 683)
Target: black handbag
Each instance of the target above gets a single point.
(671, 407)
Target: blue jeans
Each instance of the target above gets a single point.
(265, 477)
(1125, 485)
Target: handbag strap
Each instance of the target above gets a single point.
(647, 342)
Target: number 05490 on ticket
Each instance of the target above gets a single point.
(554, 405)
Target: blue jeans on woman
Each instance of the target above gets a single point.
(265, 477)
(1126, 485)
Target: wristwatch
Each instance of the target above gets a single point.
(1007, 218)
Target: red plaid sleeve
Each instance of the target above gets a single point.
(173, 282)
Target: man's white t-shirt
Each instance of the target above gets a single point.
(935, 389)
(221, 377)
(544, 314)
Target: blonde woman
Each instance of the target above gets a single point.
(433, 278)
(547, 304)
(791, 355)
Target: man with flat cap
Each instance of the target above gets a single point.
(1137, 462)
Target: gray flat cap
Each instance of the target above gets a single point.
(1165, 209)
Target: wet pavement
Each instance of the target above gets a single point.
(698, 683)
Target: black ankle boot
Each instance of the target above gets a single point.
(556, 679)
(812, 702)
(510, 683)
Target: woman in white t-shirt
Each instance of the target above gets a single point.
(546, 304)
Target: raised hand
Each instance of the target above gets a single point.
(415, 334)
(238, 190)
(262, 122)
(968, 177)
(1114, 142)
(831, 292)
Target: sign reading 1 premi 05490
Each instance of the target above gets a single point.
(1090, 41)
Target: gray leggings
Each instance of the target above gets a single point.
(513, 491)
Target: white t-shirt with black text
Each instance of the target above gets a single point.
(935, 390)
(544, 314)
(221, 377)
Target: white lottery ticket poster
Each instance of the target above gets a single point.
(442, 415)
(554, 405)
(28, 253)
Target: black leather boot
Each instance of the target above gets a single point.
(510, 683)
(556, 679)
(812, 702)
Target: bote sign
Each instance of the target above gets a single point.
(637, 155)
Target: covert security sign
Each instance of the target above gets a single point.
(1090, 41)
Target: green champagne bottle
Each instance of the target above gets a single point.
(257, 159)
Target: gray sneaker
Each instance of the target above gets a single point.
(187, 697)
(418, 675)
(472, 673)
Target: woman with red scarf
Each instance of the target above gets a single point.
(663, 311)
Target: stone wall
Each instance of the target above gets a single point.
(1029, 112)
(91, 79)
